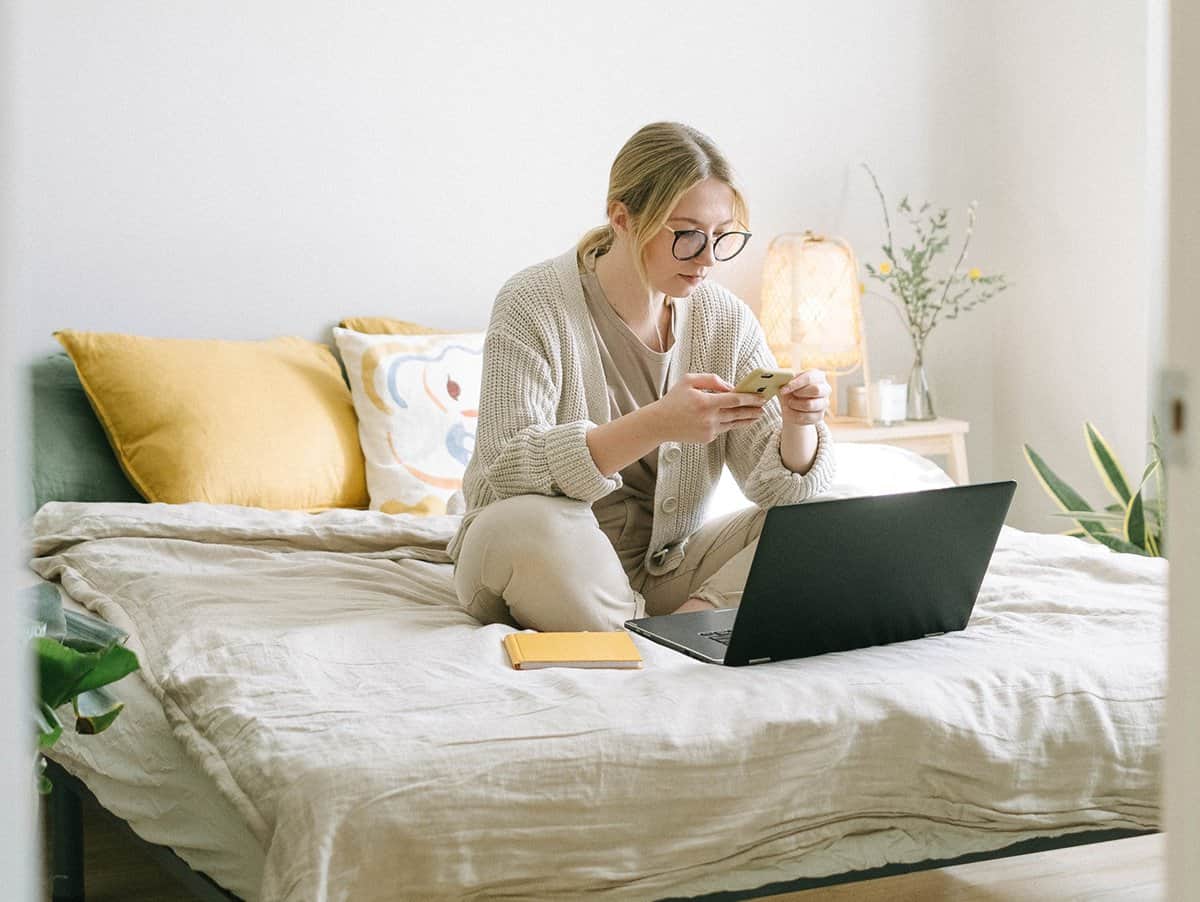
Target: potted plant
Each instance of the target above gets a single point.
(77, 656)
(1135, 522)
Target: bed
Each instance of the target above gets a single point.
(316, 719)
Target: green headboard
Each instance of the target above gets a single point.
(71, 457)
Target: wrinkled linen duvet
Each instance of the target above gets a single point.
(379, 746)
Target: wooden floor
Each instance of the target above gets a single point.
(1129, 870)
(115, 870)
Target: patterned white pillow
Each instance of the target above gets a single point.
(417, 400)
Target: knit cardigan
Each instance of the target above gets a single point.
(543, 388)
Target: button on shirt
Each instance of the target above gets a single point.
(636, 376)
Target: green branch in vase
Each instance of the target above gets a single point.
(921, 298)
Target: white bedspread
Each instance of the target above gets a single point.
(379, 746)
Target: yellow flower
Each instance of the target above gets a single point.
(974, 273)
(885, 267)
(862, 287)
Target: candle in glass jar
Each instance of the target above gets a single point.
(888, 400)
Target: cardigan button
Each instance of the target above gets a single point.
(672, 454)
(670, 503)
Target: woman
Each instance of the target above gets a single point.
(607, 412)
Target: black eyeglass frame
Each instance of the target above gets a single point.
(679, 233)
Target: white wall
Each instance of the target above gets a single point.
(246, 170)
(211, 169)
(1065, 120)
(18, 841)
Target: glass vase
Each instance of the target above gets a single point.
(919, 402)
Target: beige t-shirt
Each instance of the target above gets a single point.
(636, 376)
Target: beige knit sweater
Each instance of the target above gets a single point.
(543, 389)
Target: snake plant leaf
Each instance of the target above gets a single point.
(1116, 543)
(1100, 517)
(1075, 533)
(1144, 513)
(1150, 470)
(95, 710)
(1106, 464)
(1154, 517)
(1068, 499)
(1160, 485)
(49, 727)
(1135, 523)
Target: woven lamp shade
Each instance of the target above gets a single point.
(811, 304)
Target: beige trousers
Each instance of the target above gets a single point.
(542, 562)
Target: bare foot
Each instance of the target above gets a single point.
(695, 604)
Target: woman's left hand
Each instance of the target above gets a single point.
(805, 399)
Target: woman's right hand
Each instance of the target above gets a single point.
(701, 406)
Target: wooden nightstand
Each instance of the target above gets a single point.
(940, 436)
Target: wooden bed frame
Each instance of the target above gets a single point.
(66, 853)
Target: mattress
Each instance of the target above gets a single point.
(374, 743)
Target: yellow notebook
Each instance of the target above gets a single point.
(586, 649)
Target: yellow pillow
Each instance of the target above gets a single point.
(382, 325)
(257, 423)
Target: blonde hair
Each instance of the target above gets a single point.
(655, 168)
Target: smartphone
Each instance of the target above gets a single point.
(765, 382)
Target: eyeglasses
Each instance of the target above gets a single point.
(690, 243)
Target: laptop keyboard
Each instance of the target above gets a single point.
(721, 636)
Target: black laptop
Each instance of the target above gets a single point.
(838, 575)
